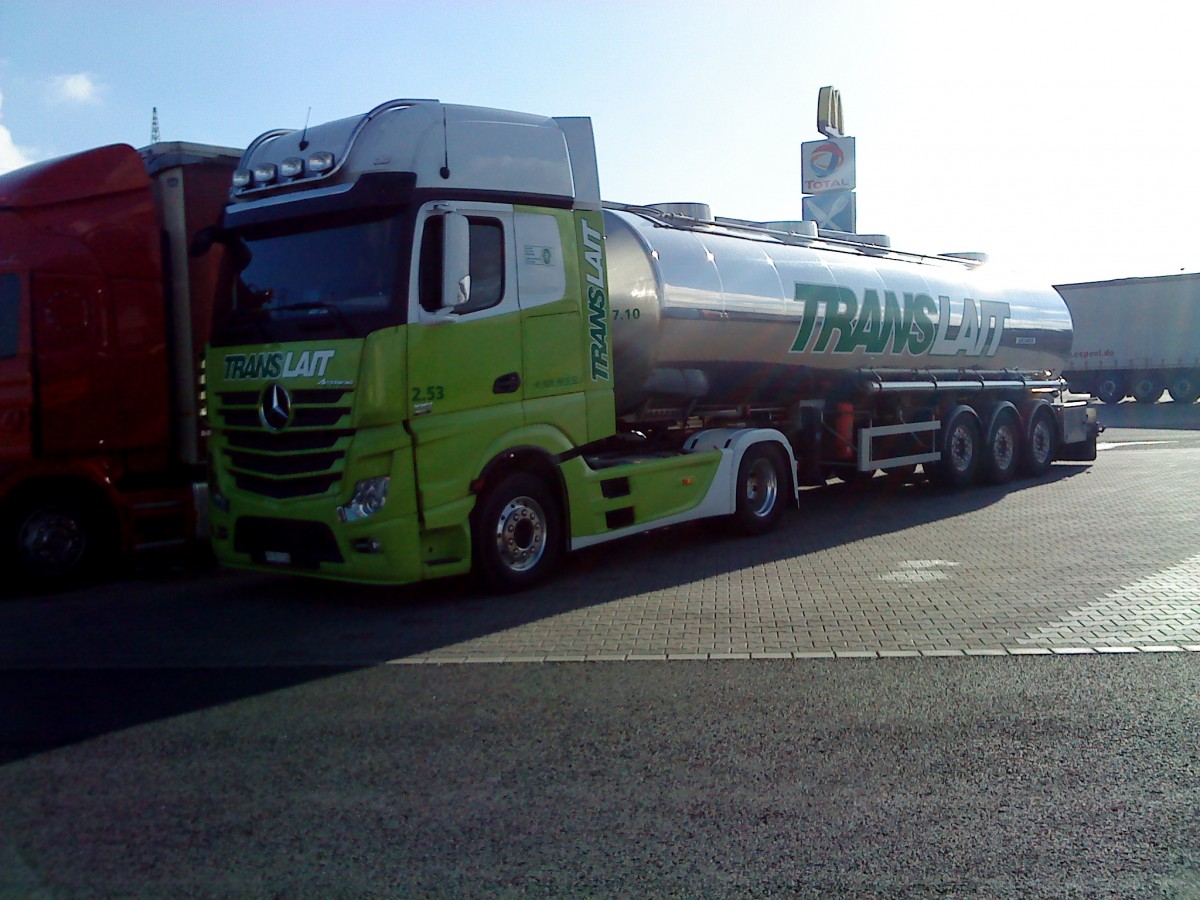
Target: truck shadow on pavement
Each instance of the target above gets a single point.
(76, 666)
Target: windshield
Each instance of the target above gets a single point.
(292, 280)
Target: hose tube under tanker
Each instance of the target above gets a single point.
(710, 315)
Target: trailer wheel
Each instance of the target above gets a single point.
(961, 446)
(518, 534)
(1185, 387)
(1110, 388)
(762, 475)
(56, 541)
(1146, 387)
(1041, 445)
(1002, 449)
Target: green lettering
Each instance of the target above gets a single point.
(839, 318)
(867, 330)
(919, 311)
(599, 333)
(889, 327)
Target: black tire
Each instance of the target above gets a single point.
(1110, 388)
(518, 533)
(761, 482)
(1185, 387)
(962, 448)
(1040, 445)
(55, 541)
(1146, 387)
(1001, 450)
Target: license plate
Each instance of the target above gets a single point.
(278, 557)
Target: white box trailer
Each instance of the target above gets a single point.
(1136, 336)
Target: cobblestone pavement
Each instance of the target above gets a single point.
(1101, 557)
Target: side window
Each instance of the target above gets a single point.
(487, 265)
(430, 287)
(10, 315)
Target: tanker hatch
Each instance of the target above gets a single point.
(702, 212)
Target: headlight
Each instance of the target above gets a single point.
(370, 495)
(291, 167)
(265, 173)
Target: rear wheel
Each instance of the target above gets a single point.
(1110, 388)
(1038, 452)
(518, 533)
(1185, 387)
(762, 479)
(1146, 387)
(1001, 449)
(961, 446)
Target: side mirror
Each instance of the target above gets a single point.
(456, 261)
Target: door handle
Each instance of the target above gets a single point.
(507, 384)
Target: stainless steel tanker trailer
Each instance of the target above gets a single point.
(869, 358)
(1136, 336)
(443, 352)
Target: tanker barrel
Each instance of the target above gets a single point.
(769, 319)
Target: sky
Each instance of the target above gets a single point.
(1060, 138)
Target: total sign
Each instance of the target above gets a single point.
(827, 165)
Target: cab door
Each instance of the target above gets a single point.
(465, 384)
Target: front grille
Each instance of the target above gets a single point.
(303, 417)
(286, 488)
(304, 459)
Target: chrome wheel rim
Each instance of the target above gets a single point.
(521, 534)
(52, 539)
(962, 448)
(1003, 448)
(1040, 440)
(762, 487)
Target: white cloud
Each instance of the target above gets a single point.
(11, 156)
(77, 88)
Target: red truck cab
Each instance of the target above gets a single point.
(103, 319)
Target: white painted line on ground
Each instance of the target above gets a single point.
(975, 652)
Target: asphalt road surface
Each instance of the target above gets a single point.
(902, 692)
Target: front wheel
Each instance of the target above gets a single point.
(518, 534)
(762, 476)
(57, 541)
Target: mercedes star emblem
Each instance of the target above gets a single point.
(276, 408)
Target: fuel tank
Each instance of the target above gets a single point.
(722, 312)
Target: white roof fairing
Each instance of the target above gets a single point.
(478, 149)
